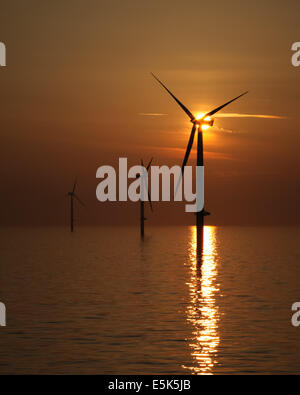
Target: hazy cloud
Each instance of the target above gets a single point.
(236, 115)
(150, 114)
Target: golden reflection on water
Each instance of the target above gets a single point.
(202, 312)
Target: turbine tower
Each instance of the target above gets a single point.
(200, 125)
(142, 202)
(72, 196)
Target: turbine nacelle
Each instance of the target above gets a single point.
(72, 194)
(204, 123)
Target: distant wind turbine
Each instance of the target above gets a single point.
(142, 202)
(72, 196)
(199, 124)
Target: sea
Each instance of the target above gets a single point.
(216, 300)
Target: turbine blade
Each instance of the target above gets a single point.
(75, 183)
(150, 201)
(189, 147)
(175, 98)
(145, 184)
(224, 105)
(186, 157)
(149, 164)
(76, 197)
(139, 175)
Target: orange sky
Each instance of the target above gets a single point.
(78, 80)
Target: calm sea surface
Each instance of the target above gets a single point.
(102, 301)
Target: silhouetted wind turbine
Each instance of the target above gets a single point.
(200, 124)
(142, 203)
(72, 196)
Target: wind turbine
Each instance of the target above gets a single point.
(199, 124)
(72, 196)
(142, 202)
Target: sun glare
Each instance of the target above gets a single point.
(204, 127)
(200, 115)
(203, 311)
(206, 119)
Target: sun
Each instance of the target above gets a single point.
(204, 127)
(200, 115)
(206, 119)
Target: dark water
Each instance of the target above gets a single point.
(101, 301)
